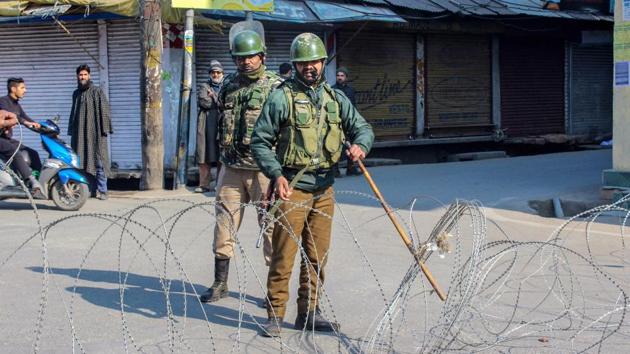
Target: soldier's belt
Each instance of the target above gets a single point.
(294, 171)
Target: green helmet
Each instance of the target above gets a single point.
(307, 47)
(247, 43)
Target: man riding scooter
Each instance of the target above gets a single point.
(8, 146)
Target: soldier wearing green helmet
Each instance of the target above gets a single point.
(247, 43)
(296, 141)
(240, 181)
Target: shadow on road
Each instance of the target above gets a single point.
(146, 296)
(18, 204)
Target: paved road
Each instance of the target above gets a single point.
(365, 268)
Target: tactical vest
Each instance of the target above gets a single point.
(313, 136)
(241, 108)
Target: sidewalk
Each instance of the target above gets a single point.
(503, 183)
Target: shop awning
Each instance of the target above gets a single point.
(314, 11)
(25, 11)
(335, 12)
(489, 8)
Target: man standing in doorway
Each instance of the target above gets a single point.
(240, 181)
(208, 119)
(89, 125)
(305, 120)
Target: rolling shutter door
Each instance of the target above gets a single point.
(123, 47)
(210, 45)
(382, 72)
(590, 109)
(46, 57)
(459, 82)
(532, 86)
(278, 46)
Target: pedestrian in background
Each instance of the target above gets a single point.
(207, 151)
(285, 70)
(89, 125)
(343, 86)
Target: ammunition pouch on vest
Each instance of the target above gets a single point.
(241, 109)
(313, 136)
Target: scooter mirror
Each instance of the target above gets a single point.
(56, 118)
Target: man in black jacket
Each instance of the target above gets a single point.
(7, 119)
(343, 86)
(16, 90)
(89, 125)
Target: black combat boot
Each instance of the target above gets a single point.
(219, 288)
(313, 320)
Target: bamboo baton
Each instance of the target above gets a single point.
(401, 231)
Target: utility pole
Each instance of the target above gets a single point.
(151, 96)
(184, 111)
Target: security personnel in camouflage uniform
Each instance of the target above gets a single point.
(306, 121)
(240, 181)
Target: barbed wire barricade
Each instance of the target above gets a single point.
(129, 281)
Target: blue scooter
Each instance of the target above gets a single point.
(60, 177)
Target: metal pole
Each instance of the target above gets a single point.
(184, 111)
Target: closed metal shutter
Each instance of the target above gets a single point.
(123, 47)
(382, 72)
(591, 90)
(278, 47)
(459, 85)
(210, 45)
(46, 57)
(532, 86)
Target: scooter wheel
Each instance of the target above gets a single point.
(71, 199)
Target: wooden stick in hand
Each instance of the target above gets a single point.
(399, 228)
